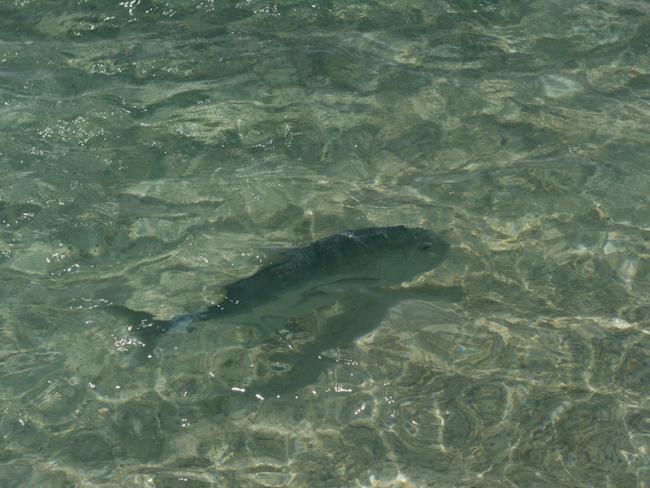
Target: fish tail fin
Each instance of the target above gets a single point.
(143, 324)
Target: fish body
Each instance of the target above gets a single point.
(305, 278)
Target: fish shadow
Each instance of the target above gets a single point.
(292, 364)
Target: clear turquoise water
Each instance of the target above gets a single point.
(151, 151)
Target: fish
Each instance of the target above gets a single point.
(359, 263)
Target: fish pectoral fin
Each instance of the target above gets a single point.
(326, 293)
(343, 285)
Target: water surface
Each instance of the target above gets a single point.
(152, 151)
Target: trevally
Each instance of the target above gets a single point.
(339, 267)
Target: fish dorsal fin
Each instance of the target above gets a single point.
(272, 256)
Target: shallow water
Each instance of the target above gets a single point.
(152, 151)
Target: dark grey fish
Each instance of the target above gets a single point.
(304, 277)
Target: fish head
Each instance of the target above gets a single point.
(419, 250)
(397, 254)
